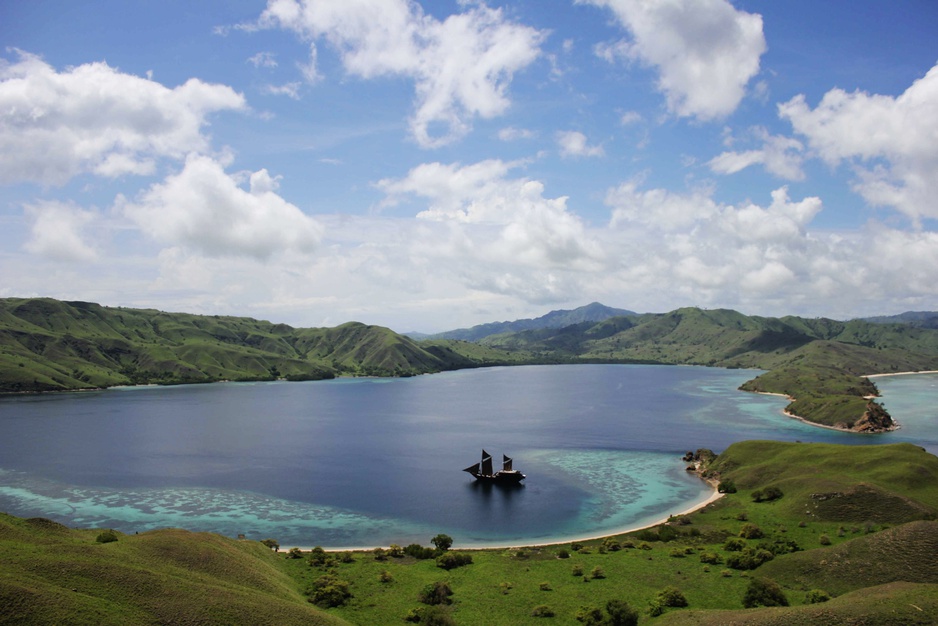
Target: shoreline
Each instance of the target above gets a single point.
(899, 374)
(896, 425)
(713, 497)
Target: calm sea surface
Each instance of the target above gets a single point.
(368, 462)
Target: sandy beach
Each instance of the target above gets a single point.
(714, 496)
(900, 374)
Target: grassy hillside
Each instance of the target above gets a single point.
(875, 563)
(49, 345)
(878, 568)
(55, 575)
(818, 362)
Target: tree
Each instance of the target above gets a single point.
(621, 614)
(764, 592)
(273, 544)
(436, 593)
(329, 591)
(442, 542)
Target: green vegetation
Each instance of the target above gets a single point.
(876, 504)
(50, 345)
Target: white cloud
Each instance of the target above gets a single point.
(93, 118)
(263, 59)
(630, 117)
(705, 51)
(513, 134)
(462, 66)
(781, 156)
(205, 210)
(574, 144)
(291, 90)
(517, 225)
(58, 231)
(891, 141)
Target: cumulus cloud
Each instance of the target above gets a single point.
(574, 144)
(206, 210)
(705, 51)
(779, 155)
(891, 141)
(520, 225)
(513, 134)
(57, 231)
(462, 66)
(94, 118)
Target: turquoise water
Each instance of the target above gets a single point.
(366, 462)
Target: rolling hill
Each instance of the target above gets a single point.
(51, 345)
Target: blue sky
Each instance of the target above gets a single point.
(427, 166)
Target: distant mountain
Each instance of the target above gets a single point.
(920, 319)
(594, 312)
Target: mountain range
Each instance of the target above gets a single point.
(52, 345)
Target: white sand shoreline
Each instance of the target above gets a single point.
(713, 497)
(900, 374)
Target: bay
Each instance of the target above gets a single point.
(369, 462)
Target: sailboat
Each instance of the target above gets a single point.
(483, 470)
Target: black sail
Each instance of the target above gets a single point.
(486, 464)
(506, 463)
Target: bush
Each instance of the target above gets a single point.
(677, 553)
(767, 495)
(436, 593)
(750, 531)
(597, 573)
(577, 570)
(590, 615)
(329, 591)
(394, 551)
(764, 592)
(748, 558)
(620, 613)
(317, 556)
(726, 486)
(380, 554)
(825, 540)
(295, 553)
(451, 560)
(711, 557)
(672, 596)
(430, 616)
(563, 554)
(734, 544)
(419, 552)
(542, 610)
(816, 595)
(612, 545)
(106, 536)
(385, 577)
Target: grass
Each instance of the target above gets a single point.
(878, 571)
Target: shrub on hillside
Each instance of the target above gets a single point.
(542, 610)
(726, 486)
(452, 560)
(106, 536)
(764, 592)
(436, 593)
(751, 531)
(329, 591)
(816, 595)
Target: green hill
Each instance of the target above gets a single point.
(873, 556)
(50, 345)
(55, 575)
(818, 362)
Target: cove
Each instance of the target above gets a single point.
(369, 462)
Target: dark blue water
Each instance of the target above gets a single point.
(366, 462)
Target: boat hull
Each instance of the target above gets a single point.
(501, 477)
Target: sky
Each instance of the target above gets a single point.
(434, 165)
